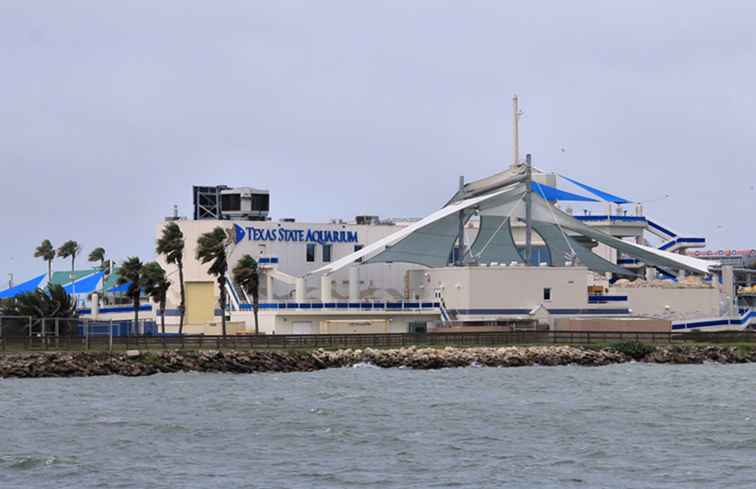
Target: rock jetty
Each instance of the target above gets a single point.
(136, 363)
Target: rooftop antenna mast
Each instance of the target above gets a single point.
(516, 113)
(528, 209)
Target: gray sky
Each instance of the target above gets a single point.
(110, 112)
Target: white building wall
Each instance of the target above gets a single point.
(380, 281)
(504, 287)
(674, 304)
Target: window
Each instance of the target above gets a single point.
(310, 252)
(327, 252)
(547, 294)
(418, 327)
(356, 249)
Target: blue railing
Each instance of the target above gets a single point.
(662, 229)
(669, 244)
(603, 299)
(605, 217)
(340, 305)
(116, 309)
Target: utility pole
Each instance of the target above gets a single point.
(461, 233)
(528, 209)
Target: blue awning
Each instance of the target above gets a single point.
(552, 193)
(28, 286)
(120, 288)
(85, 285)
(606, 197)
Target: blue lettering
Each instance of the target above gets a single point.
(309, 235)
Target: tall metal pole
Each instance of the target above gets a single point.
(515, 131)
(528, 210)
(461, 233)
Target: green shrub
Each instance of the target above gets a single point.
(633, 349)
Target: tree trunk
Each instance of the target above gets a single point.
(222, 284)
(136, 314)
(162, 319)
(104, 275)
(73, 281)
(254, 309)
(182, 306)
(49, 271)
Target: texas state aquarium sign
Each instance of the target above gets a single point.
(294, 235)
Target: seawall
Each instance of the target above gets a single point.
(135, 363)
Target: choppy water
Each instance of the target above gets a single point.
(634, 426)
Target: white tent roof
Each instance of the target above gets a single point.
(501, 202)
(394, 238)
(543, 210)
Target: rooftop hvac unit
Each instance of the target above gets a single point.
(226, 203)
(367, 220)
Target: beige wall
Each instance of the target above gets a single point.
(355, 326)
(200, 302)
(613, 324)
(683, 303)
(504, 287)
(335, 324)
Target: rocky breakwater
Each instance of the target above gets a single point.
(136, 363)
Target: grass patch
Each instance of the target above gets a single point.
(633, 349)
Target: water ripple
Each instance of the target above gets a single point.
(621, 426)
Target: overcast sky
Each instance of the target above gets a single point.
(110, 112)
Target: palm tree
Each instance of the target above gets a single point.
(98, 254)
(156, 286)
(130, 272)
(211, 247)
(46, 251)
(247, 276)
(70, 248)
(53, 301)
(171, 244)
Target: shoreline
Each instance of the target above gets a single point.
(136, 363)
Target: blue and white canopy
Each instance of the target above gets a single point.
(85, 285)
(120, 288)
(500, 200)
(604, 196)
(22, 288)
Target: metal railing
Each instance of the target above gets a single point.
(345, 305)
(334, 341)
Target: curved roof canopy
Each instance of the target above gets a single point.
(498, 200)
